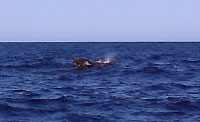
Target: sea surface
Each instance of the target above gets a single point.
(151, 82)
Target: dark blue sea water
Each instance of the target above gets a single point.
(151, 82)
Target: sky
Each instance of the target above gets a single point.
(99, 20)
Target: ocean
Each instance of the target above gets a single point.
(151, 82)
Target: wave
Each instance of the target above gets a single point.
(80, 117)
(34, 65)
(17, 110)
(24, 92)
(6, 76)
(159, 86)
(184, 86)
(66, 78)
(159, 56)
(151, 70)
(184, 105)
(42, 100)
(191, 60)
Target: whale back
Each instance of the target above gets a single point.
(82, 62)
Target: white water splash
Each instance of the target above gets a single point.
(108, 58)
(107, 61)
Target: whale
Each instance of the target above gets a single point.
(83, 63)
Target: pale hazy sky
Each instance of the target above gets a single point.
(99, 20)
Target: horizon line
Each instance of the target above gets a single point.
(104, 41)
